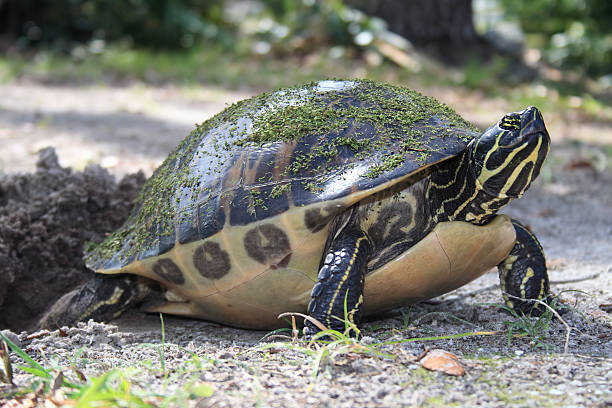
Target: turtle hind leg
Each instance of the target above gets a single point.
(101, 298)
(338, 294)
(523, 274)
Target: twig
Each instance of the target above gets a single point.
(311, 319)
(588, 277)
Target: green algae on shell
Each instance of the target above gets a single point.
(336, 125)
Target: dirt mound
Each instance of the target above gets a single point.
(45, 219)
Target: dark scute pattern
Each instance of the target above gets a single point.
(211, 218)
(259, 200)
(211, 261)
(268, 245)
(302, 196)
(117, 261)
(167, 241)
(169, 271)
(156, 240)
(244, 209)
(274, 204)
(188, 232)
(316, 220)
(265, 160)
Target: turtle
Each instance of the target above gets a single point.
(336, 199)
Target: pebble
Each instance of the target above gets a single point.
(12, 337)
(555, 391)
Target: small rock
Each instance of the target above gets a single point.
(12, 337)
(555, 391)
(361, 367)
(47, 159)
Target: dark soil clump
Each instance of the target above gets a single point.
(45, 219)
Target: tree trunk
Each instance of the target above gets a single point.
(441, 26)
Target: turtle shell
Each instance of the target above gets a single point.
(254, 188)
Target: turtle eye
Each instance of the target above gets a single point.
(511, 121)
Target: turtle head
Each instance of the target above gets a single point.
(508, 156)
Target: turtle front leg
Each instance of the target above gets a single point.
(340, 281)
(523, 273)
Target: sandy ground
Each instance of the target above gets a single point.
(569, 208)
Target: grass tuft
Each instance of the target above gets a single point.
(115, 387)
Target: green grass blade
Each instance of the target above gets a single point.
(24, 355)
(162, 350)
(35, 371)
(102, 392)
(276, 333)
(316, 364)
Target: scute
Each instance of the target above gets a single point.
(291, 148)
(211, 260)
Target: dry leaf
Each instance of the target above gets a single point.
(57, 381)
(546, 212)
(443, 361)
(7, 374)
(579, 164)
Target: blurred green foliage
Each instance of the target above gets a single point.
(571, 33)
(300, 27)
(152, 23)
(259, 26)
